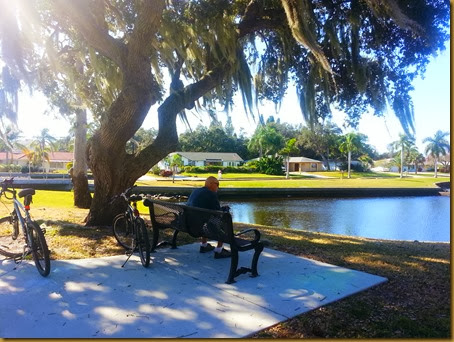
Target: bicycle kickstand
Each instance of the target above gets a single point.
(129, 255)
(18, 260)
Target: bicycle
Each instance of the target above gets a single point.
(130, 229)
(33, 241)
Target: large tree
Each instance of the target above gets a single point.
(266, 140)
(322, 139)
(348, 54)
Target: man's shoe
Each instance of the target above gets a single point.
(222, 254)
(207, 248)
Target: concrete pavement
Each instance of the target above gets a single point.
(181, 294)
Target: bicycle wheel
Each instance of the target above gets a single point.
(143, 242)
(40, 251)
(10, 245)
(122, 230)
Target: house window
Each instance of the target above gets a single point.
(313, 166)
(213, 162)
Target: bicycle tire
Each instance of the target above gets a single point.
(40, 251)
(9, 246)
(123, 231)
(143, 242)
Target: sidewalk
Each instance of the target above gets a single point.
(181, 294)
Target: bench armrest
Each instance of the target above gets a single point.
(256, 232)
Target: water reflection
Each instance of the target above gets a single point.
(396, 218)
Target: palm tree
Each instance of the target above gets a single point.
(43, 145)
(175, 163)
(438, 145)
(8, 140)
(415, 157)
(266, 140)
(287, 150)
(405, 142)
(351, 143)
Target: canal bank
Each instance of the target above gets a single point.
(293, 192)
(65, 184)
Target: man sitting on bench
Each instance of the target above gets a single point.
(207, 198)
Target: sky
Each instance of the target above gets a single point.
(431, 99)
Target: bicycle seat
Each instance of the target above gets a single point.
(25, 192)
(135, 198)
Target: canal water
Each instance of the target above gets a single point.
(425, 218)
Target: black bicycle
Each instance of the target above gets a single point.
(32, 242)
(130, 229)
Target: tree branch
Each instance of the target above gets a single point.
(145, 27)
(95, 35)
(167, 138)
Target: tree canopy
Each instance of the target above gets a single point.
(113, 57)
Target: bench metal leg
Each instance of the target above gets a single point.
(155, 239)
(174, 239)
(233, 267)
(255, 259)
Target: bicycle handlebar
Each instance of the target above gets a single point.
(5, 184)
(126, 195)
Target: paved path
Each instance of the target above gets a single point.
(181, 294)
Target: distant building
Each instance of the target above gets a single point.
(57, 160)
(205, 159)
(303, 164)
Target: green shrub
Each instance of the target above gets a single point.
(271, 165)
(216, 168)
(155, 170)
(9, 168)
(195, 169)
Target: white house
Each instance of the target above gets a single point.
(205, 158)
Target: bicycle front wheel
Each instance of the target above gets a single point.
(122, 230)
(40, 251)
(10, 245)
(143, 242)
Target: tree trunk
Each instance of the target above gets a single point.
(436, 167)
(82, 197)
(109, 179)
(288, 165)
(402, 162)
(326, 162)
(349, 163)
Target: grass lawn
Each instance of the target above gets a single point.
(414, 303)
(281, 182)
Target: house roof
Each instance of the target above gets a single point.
(53, 156)
(224, 156)
(303, 160)
(61, 156)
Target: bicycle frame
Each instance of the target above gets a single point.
(131, 210)
(136, 228)
(33, 234)
(22, 212)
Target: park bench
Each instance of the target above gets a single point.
(212, 224)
